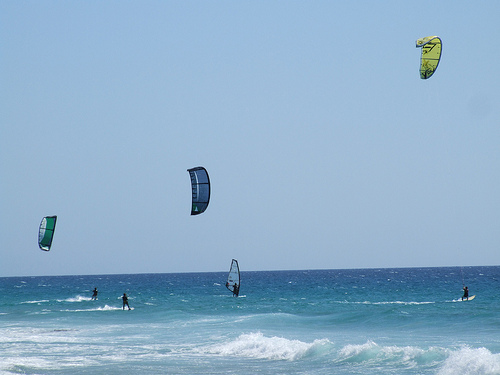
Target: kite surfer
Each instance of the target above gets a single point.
(94, 295)
(466, 293)
(125, 301)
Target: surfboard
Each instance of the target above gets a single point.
(465, 300)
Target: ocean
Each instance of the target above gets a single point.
(359, 321)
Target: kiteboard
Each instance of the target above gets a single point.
(465, 300)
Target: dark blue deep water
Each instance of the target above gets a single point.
(365, 321)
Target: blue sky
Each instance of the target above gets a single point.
(324, 147)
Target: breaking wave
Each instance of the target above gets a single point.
(443, 361)
(256, 345)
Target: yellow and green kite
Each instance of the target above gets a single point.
(431, 54)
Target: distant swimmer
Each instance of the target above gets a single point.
(236, 290)
(125, 301)
(94, 295)
(466, 293)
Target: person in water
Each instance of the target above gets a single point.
(466, 293)
(125, 301)
(94, 295)
(236, 290)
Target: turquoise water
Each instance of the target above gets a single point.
(371, 321)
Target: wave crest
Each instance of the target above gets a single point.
(471, 361)
(446, 361)
(256, 345)
(408, 356)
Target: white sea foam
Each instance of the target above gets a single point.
(76, 299)
(18, 365)
(394, 303)
(468, 361)
(464, 361)
(100, 308)
(256, 345)
(41, 301)
(40, 312)
(402, 303)
(21, 364)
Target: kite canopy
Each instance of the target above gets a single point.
(46, 232)
(431, 54)
(200, 184)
